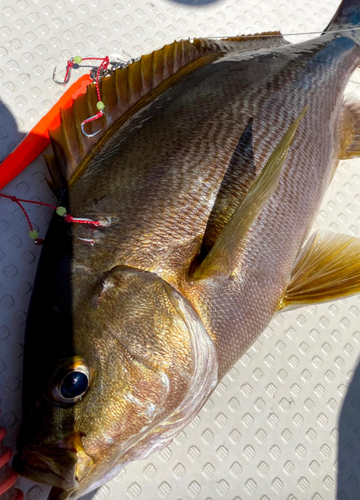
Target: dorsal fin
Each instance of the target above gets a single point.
(125, 92)
(266, 40)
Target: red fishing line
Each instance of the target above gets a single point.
(61, 211)
(105, 61)
(100, 106)
(38, 138)
(78, 220)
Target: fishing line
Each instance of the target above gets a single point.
(273, 35)
(95, 74)
(103, 70)
(61, 211)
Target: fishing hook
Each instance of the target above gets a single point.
(88, 120)
(67, 74)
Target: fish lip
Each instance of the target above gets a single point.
(41, 472)
(63, 464)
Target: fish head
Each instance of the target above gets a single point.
(118, 373)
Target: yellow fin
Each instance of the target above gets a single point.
(220, 258)
(239, 176)
(327, 268)
(350, 131)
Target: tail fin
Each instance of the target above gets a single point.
(347, 16)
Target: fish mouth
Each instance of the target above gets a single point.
(63, 464)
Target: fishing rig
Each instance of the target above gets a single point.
(38, 138)
(105, 68)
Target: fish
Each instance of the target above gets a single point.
(204, 181)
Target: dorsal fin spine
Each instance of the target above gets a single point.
(124, 93)
(124, 90)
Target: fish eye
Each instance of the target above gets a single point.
(74, 385)
(71, 382)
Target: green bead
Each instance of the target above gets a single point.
(100, 106)
(61, 211)
(33, 234)
(77, 59)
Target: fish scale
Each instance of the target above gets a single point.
(162, 220)
(183, 177)
(289, 213)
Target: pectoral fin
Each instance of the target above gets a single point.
(327, 268)
(237, 181)
(220, 259)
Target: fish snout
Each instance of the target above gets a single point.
(63, 464)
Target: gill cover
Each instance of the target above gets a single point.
(161, 331)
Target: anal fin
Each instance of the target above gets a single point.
(327, 268)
